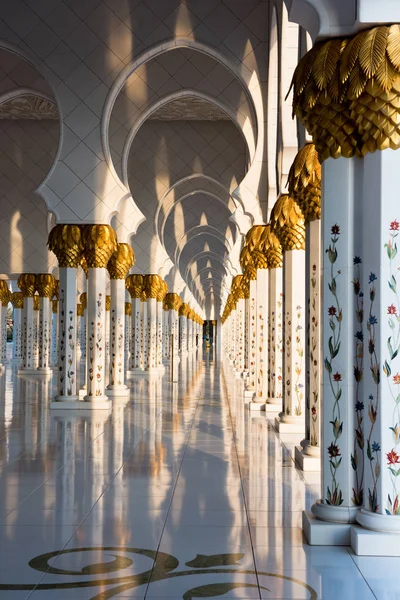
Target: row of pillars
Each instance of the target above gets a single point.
(113, 339)
(312, 325)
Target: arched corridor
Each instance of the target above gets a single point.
(199, 308)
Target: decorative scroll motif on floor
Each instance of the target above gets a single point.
(163, 568)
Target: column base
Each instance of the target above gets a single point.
(374, 543)
(117, 392)
(154, 372)
(16, 362)
(45, 371)
(66, 403)
(378, 523)
(289, 424)
(249, 394)
(334, 514)
(134, 372)
(322, 533)
(273, 405)
(305, 461)
(24, 371)
(96, 403)
(257, 405)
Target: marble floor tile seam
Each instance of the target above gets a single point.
(71, 537)
(242, 486)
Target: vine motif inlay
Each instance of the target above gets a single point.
(393, 380)
(334, 494)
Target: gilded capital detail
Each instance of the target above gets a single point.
(45, 285)
(121, 261)
(287, 223)
(305, 182)
(172, 302)
(134, 284)
(100, 243)
(83, 300)
(5, 294)
(66, 243)
(27, 284)
(17, 299)
(346, 92)
(152, 285)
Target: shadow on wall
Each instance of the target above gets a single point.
(29, 135)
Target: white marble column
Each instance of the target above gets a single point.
(45, 285)
(160, 333)
(232, 333)
(189, 333)
(137, 333)
(275, 356)
(172, 304)
(54, 334)
(4, 308)
(26, 283)
(128, 335)
(166, 333)
(45, 313)
(81, 316)
(380, 384)
(152, 284)
(96, 338)
(5, 296)
(108, 338)
(342, 459)
(240, 329)
(309, 453)
(99, 245)
(67, 388)
(174, 345)
(36, 325)
(118, 267)
(183, 328)
(17, 300)
(117, 387)
(261, 379)
(134, 285)
(152, 335)
(292, 419)
(288, 224)
(144, 335)
(252, 335)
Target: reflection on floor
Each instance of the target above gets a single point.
(180, 493)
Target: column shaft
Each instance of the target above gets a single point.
(96, 336)
(275, 354)
(293, 414)
(67, 336)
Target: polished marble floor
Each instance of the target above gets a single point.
(180, 493)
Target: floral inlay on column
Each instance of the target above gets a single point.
(118, 267)
(393, 379)
(100, 243)
(298, 386)
(314, 360)
(288, 224)
(357, 456)
(27, 283)
(334, 494)
(373, 448)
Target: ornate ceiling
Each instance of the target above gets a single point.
(30, 107)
